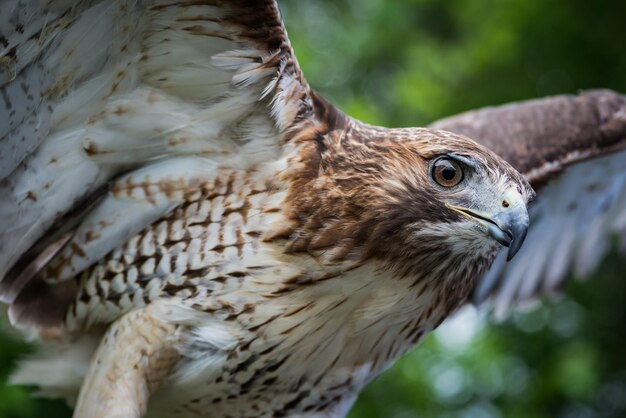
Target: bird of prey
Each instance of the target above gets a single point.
(191, 231)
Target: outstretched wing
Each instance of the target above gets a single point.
(572, 149)
(111, 111)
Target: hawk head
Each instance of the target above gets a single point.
(445, 200)
(425, 202)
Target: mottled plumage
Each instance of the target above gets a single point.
(192, 231)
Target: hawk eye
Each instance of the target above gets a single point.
(447, 173)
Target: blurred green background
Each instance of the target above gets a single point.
(407, 63)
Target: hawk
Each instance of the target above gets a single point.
(192, 231)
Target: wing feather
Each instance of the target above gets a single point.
(95, 92)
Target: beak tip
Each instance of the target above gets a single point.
(510, 254)
(516, 243)
(515, 223)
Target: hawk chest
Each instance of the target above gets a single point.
(309, 349)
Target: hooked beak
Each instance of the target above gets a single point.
(508, 227)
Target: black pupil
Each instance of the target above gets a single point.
(448, 172)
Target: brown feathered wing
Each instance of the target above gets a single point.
(115, 112)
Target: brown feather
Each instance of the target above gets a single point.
(543, 136)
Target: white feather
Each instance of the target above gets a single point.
(138, 199)
(565, 236)
(48, 184)
(59, 369)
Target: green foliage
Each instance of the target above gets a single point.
(406, 63)
(17, 401)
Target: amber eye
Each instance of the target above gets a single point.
(447, 173)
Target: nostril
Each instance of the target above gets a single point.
(505, 204)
